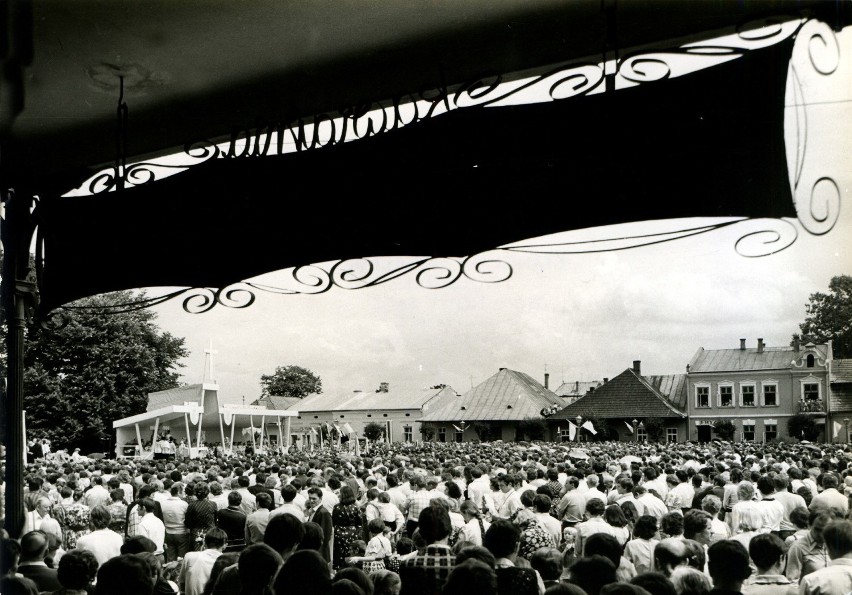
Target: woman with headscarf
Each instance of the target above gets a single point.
(533, 535)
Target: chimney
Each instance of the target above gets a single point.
(760, 345)
(742, 344)
(383, 387)
(606, 380)
(546, 380)
(637, 366)
(796, 344)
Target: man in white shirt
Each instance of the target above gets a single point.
(789, 502)
(174, 520)
(249, 502)
(102, 542)
(152, 527)
(836, 578)
(479, 487)
(653, 506)
(197, 566)
(40, 519)
(656, 482)
(289, 493)
(830, 498)
(541, 505)
(98, 495)
(572, 506)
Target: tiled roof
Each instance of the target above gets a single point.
(630, 395)
(508, 395)
(841, 370)
(372, 401)
(175, 396)
(576, 388)
(841, 398)
(734, 360)
(272, 402)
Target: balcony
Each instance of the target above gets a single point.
(811, 407)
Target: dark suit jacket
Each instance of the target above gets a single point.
(322, 517)
(233, 522)
(44, 577)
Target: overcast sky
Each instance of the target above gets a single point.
(584, 317)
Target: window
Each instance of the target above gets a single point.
(369, 415)
(810, 360)
(702, 396)
(747, 395)
(564, 435)
(748, 432)
(770, 432)
(383, 415)
(442, 434)
(641, 434)
(671, 434)
(407, 434)
(316, 417)
(459, 436)
(726, 395)
(341, 417)
(770, 395)
(407, 415)
(810, 391)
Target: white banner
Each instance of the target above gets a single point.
(590, 427)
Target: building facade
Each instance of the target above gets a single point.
(398, 411)
(758, 389)
(621, 407)
(507, 406)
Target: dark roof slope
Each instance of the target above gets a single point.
(631, 395)
(506, 396)
(841, 370)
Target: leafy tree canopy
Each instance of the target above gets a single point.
(829, 317)
(291, 381)
(374, 431)
(97, 368)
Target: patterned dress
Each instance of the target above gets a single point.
(533, 537)
(348, 523)
(76, 524)
(200, 518)
(118, 517)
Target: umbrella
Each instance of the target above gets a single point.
(629, 459)
(576, 453)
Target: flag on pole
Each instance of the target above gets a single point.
(336, 427)
(458, 429)
(590, 427)
(629, 427)
(313, 432)
(348, 429)
(837, 427)
(572, 431)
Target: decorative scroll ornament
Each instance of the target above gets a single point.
(548, 84)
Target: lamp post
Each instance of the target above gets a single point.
(635, 430)
(579, 421)
(462, 424)
(846, 423)
(547, 412)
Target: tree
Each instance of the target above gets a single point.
(374, 430)
(725, 429)
(655, 429)
(802, 426)
(484, 430)
(97, 368)
(291, 381)
(829, 317)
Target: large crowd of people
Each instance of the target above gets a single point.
(441, 518)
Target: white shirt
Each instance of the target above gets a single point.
(551, 525)
(154, 529)
(35, 522)
(196, 569)
(103, 543)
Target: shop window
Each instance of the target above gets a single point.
(770, 432)
(748, 432)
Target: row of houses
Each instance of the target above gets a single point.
(757, 388)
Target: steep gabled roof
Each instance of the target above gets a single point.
(841, 371)
(630, 395)
(192, 393)
(506, 396)
(372, 401)
(741, 360)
